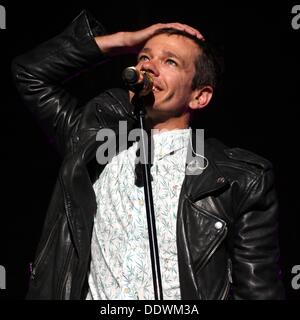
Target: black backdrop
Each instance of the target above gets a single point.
(256, 108)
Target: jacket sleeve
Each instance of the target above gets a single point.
(39, 76)
(256, 275)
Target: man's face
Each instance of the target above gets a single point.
(170, 59)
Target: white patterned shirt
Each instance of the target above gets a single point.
(120, 256)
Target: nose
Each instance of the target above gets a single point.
(150, 66)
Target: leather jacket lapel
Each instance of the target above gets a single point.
(208, 180)
(199, 232)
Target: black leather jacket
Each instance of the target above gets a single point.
(236, 258)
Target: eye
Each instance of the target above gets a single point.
(171, 62)
(143, 58)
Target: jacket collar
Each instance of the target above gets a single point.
(198, 184)
(205, 181)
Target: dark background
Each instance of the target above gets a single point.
(256, 108)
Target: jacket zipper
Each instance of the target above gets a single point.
(64, 276)
(68, 212)
(41, 255)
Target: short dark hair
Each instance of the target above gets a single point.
(207, 66)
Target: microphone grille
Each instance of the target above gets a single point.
(130, 75)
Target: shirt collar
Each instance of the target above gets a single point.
(168, 142)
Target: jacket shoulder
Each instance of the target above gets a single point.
(106, 109)
(236, 155)
(115, 100)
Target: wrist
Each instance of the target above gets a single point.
(111, 44)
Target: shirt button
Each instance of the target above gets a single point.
(218, 225)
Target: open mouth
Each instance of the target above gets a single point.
(156, 88)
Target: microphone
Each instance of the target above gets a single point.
(140, 82)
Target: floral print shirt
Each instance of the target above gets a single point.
(120, 256)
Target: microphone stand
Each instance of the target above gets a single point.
(156, 274)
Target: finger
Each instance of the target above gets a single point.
(190, 30)
(183, 27)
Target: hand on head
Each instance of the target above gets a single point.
(132, 41)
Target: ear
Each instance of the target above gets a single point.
(201, 97)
